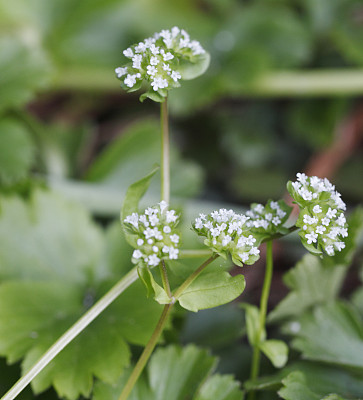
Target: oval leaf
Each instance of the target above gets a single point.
(276, 351)
(211, 290)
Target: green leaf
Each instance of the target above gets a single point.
(172, 374)
(45, 310)
(220, 387)
(153, 288)
(61, 269)
(276, 351)
(17, 151)
(332, 333)
(252, 324)
(58, 239)
(134, 194)
(211, 290)
(297, 387)
(151, 94)
(137, 150)
(23, 69)
(192, 69)
(311, 283)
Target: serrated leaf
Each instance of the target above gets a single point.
(45, 296)
(58, 239)
(17, 151)
(211, 290)
(332, 334)
(296, 387)
(172, 374)
(316, 281)
(276, 351)
(311, 283)
(252, 324)
(220, 387)
(176, 374)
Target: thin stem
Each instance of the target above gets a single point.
(164, 278)
(255, 367)
(193, 276)
(71, 333)
(140, 365)
(165, 152)
(194, 253)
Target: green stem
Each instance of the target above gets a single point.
(165, 152)
(164, 278)
(71, 333)
(140, 365)
(193, 276)
(194, 253)
(255, 367)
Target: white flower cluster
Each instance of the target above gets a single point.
(227, 233)
(322, 221)
(156, 237)
(323, 227)
(156, 59)
(268, 218)
(312, 188)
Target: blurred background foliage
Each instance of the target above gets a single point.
(283, 94)
(284, 76)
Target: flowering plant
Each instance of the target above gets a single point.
(161, 61)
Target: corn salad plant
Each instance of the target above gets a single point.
(168, 277)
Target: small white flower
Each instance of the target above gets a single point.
(133, 220)
(140, 242)
(168, 56)
(136, 61)
(154, 49)
(154, 60)
(175, 76)
(159, 83)
(339, 245)
(320, 229)
(166, 229)
(254, 251)
(153, 260)
(171, 217)
(311, 237)
(166, 67)
(128, 53)
(137, 254)
(317, 209)
(325, 221)
(174, 238)
(329, 250)
(276, 221)
(173, 253)
(259, 208)
(331, 213)
(130, 80)
(151, 70)
(163, 205)
(121, 71)
(155, 249)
